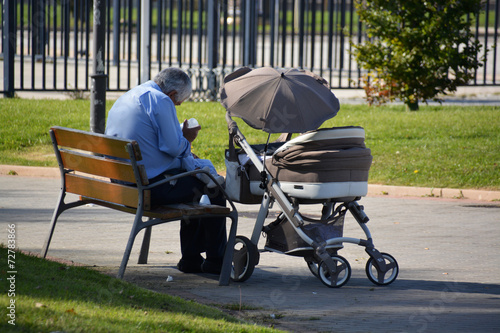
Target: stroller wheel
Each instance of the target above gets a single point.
(245, 257)
(379, 277)
(312, 264)
(340, 274)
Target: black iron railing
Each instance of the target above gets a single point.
(47, 44)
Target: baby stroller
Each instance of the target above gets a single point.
(321, 166)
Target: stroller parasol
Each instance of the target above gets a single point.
(278, 100)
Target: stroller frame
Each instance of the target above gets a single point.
(321, 256)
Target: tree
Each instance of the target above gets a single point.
(417, 50)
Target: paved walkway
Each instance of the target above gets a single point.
(448, 253)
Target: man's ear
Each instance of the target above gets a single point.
(172, 95)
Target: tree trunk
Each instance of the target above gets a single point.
(412, 106)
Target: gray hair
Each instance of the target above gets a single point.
(171, 79)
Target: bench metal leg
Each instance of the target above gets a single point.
(225, 274)
(126, 255)
(143, 256)
(53, 222)
(61, 207)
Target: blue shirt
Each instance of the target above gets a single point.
(145, 114)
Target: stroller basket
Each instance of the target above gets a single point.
(283, 238)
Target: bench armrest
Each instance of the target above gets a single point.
(192, 173)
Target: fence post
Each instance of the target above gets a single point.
(116, 32)
(9, 46)
(213, 46)
(98, 86)
(38, 24)
(302, 15)
(145, 55)
(249, 53)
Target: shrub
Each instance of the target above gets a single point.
(417, 50)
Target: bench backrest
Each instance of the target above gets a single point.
(89, 160)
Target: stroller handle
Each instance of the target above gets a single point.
(233, 129)
(231, 124)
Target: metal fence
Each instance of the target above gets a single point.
(49, 42)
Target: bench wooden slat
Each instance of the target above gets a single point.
(188, 210)
(102, 190)
(196, 209)
(98, 166)
(95, 142)
(166, 212)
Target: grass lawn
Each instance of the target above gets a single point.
(438, 146)
(52, 297)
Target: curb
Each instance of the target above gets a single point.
(373, 189)
(28, 171)
(428, 192)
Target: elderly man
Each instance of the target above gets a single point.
(147, 115)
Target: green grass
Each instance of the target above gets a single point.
(438, 146)
(51, 297)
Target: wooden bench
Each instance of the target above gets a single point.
(88, 162)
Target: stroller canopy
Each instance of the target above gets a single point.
(279, 100)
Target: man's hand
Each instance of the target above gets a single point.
(190, 133)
